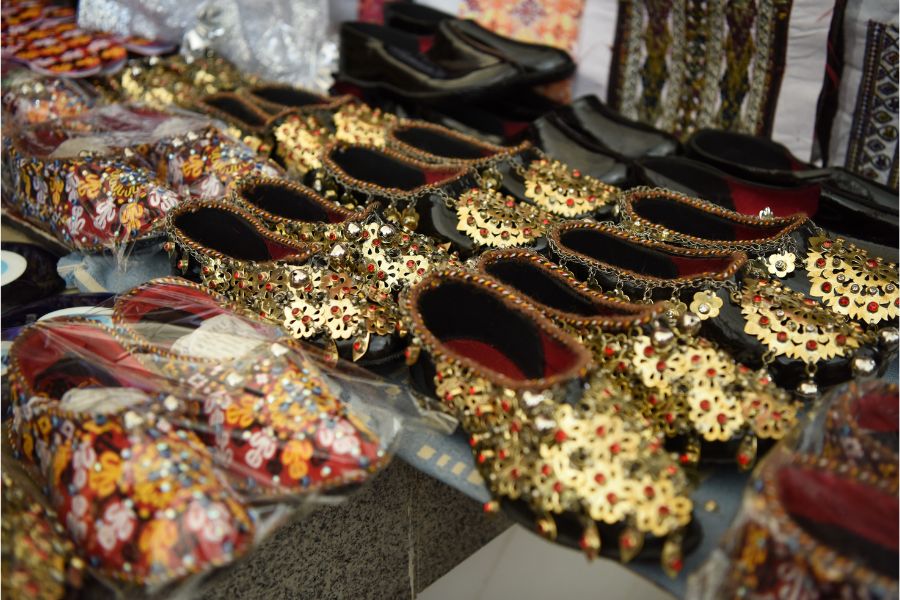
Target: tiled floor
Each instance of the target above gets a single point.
(519, 565)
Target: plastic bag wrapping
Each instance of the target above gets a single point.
(104, 180)
(820, 516)
(279, 40)
(32, 98)
(173, 441)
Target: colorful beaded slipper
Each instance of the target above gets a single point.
(557, 446)
(39, 559)
(207, 164)
(249, 392)
(737, 308)
(88, 202)
(815, 526)
(441, 201)
(140, 499)
(382, 255)
(708, 406)
(521, 171)
(282, 281)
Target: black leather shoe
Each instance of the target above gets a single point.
(538, 63)
(850, 204)
(276, 98)
(568, 145)
(698, 179)
(605, 126)
(386, 59)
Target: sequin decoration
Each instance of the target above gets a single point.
(565, 192)
(492, 219)
(852, 283)
(793, 325)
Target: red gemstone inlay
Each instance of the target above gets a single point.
(812, 345)
(782, 336)
(601, 431)
(872, 307)
(826, 287)
(840, 339)
(844, 301)
(820, 262)
(764, 321)
(721, 418)
(705, 405)
(546, 470)
(648, 351)
(561, 436)
(871, 263)
(743, 459)
(600, 478)
(558, 487)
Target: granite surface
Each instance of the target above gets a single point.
(390, 539)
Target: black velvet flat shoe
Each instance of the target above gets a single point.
(849, 205)
(443, 201)
(391, 60)
(701, 180)
(568, 145)
(538, 63)
(794, 264)
(521, 171)
(757, 320)
(605, 126)
(276, 98)
(710, 408)
(558, 447)
(314, 296)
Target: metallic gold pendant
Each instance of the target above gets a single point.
(564, 192)
(491, 219)
(360, 124)
(793, 325)
(852, 283)
(301, 140)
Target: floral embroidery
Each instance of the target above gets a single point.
(130, 215)
(295, 456)
(105, 479)
(241, 413)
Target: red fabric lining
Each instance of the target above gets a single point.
(512, 129)
(438, 175)
(877, 412)
(557, 357)
(830, 500)
(486, 355)
(136, 306)
(783, 202)
(45, 347)
(278, 251)
(425, 43)
(694, 266)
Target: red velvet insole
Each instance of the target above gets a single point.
(827, 499)
(486, 355)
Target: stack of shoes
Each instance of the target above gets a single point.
(155, 437)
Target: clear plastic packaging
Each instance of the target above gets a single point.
(174, 441)
(820, 516)
(105, 179)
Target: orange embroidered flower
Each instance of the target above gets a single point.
(27, 444)
(156, 540)
(44, 425)
(296, 456)
(89, 185)
(105, 480)
(150, 493)
(61, 458)
(192, 167)
(130, 215)
(241, 413)
(57, 185)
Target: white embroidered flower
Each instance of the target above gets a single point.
(77, 528)
(79, 505)
(76, 220)
(209, 188)
(105, 213)
(263, 449)
(40, 189)
(162, 199)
